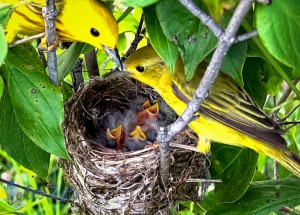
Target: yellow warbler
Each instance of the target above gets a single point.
(83, 21)
(228, 115)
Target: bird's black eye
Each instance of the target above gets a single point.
(95, 32)
(140, 68)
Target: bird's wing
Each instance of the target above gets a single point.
(231, 105)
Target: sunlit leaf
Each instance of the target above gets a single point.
(136, 3)
(3, 45)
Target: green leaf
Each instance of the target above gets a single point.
(5, 208)
(5, 12)
(128, 24)
(3, 45)
(2, 87)
(136, 3)
(254, 72)
(66, 90)
(261, 162)
(234, 62)
(68, 58)
(37, 103)
(235, 167)
(165, 48)
(193, 38)
(208, 202)
(258, 176)
(122, 43)
(254, 50)
(274, 80)
(217, 8)
(263, 198)
(25, 57)
(17, 144)
(278, 28)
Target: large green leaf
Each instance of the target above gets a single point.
(278, 27)
(37, 103)
(3, 45)
(17, 144)
(264, 197)
(164, 47)
(194, 40)
(137, 3)
(235, 167)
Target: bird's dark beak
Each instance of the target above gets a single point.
(114, 54)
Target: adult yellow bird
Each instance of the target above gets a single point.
(228, 115)
(87, 21)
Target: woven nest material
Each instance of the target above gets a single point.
(109, 181)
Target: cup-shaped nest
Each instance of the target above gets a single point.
(119, 180)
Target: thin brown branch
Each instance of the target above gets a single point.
(27, 39)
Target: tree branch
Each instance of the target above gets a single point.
(246, 36)
(226, 39)
(50, 13)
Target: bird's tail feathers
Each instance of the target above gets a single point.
(286, 158)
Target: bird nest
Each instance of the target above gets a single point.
(123, 181)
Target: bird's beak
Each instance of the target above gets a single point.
(114, 54)
(137, 133)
